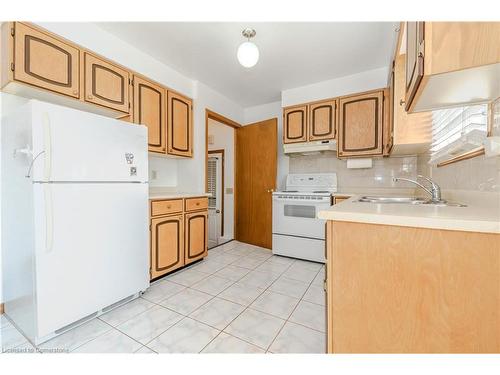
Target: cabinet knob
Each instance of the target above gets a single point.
(401, 102)
(75, 92)
(197, 203)
(169, 206)
(90, 97)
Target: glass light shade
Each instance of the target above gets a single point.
(248, 54)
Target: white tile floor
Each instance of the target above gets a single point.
(240, 299)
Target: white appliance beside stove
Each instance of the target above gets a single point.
(297, 231)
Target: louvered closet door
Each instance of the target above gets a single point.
(212, 182)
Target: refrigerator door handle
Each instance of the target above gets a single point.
(49, 218)
(47, 146)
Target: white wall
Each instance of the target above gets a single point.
(365, 81)
(223, 139)
(191, 172)
(265, 112)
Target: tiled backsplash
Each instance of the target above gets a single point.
(477, 174)
(380, 176)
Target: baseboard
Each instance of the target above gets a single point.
(1, 308)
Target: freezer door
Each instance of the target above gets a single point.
(91, 249)
(72, 145)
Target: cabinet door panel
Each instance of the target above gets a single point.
(295, 124)
(322, 120)
(414, 60)
(196, 236)
(149, 110)
(361, 125)
(180, 125)
(167, 244)
(106, 84)
(46, 62)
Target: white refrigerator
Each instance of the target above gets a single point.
(75, 232)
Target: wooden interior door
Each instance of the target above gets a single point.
(256, 159)
(167, 244)
(322, 120)
(46, 62)
(106, 84)
(149, 110)
(361, 121)
(295, 124)
(180, 125)
(196, 236)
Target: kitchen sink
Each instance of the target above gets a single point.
(407, 200)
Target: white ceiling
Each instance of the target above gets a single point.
(291, 54)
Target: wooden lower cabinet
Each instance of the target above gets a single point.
(178, 237)
(167, 244)
(196, 241)
(393, 289)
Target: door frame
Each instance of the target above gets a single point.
(209, 114)
(221, 152)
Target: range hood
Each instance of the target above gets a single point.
(309, 148)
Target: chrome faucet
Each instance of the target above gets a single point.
(434, 191)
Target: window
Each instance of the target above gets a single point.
(456, 131)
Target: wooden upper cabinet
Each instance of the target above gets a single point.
(322, 120)
(46, 62)
(295, 124)
(179, 125)
(149, 110)
(196, 236)
(167, 244)
(361, 119)
(106, 84)
(414, 60)
(389, 114)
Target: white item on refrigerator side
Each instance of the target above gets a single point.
(75, 233)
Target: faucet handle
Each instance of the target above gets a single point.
(434, 185)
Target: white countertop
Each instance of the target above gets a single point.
(175, 195)
(480, 215)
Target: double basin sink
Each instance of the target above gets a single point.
(407, 200)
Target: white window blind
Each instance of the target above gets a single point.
(212, 182)
(457, 130)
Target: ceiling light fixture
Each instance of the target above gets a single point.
(248, 53)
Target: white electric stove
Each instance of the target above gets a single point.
(297, 231)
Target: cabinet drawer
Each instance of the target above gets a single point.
(166, 207)
(193, 204)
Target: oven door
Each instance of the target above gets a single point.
(297, 217)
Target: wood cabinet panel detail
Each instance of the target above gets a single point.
(179, 125)
(361, 121)
(196, 236)
(167, 244)
(149, 110)
(106, 84)
(46, 62)
(322, 120)
(295, 124)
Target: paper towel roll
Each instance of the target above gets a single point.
(359, 163)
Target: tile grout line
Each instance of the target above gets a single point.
(287, 320)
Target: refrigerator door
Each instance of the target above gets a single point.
(76, 146)
(91, 249)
